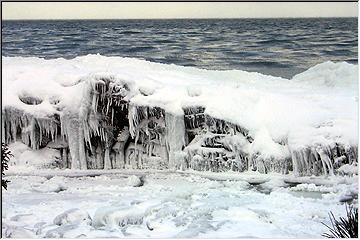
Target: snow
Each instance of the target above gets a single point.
(329, 74)
(113, 217)
(195, 153)
(316, 107)
(97, 112)
(71, 216)
(134, 181)
(349, 169)
(25, 157)
(311, 188)
(170, 204)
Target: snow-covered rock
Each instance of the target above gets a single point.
(55, 184)
(134, 181)
(352, 169)
(72, 216)
(60, 232)
(118, 217)
(10, 231)
(115, 112)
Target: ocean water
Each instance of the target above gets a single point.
(279, 47)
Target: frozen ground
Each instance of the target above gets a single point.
(141, 204)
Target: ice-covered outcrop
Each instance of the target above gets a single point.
(72, 216)
(119, 113)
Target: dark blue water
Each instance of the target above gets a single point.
(281, 47)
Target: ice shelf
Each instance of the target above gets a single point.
(120, 113)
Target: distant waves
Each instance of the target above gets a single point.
(280, 47)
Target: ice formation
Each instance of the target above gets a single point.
(121, 113)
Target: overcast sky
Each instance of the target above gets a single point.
(123, 10)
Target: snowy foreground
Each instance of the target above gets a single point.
(141, 204)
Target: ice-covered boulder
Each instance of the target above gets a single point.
(26, 157)
(72, 216)
(349, 169)
(134, 181)
(60, 232)
(11, 231)
(118, 217)
(55, 184)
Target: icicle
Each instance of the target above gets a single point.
(82, 153)
(133, 119)
(326, 161)
(112, 116)
(175, 135)
(107, 162)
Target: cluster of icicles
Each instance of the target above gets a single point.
(111, 132)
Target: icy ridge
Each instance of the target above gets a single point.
(112, 112)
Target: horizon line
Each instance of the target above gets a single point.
(104, 19)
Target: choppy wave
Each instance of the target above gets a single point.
(280, 47)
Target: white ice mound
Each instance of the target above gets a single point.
(134, 181)
(330, 74)
(55, 184)
(112, 112)
(25, 156)
(72, 216)
(118, 217)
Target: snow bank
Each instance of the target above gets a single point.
(98, 105)
(24, 156)
(330, 74)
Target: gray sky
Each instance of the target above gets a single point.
(123, 10)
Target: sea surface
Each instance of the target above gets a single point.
(279, 47)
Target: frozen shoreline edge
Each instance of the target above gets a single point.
(251, 121)
(253, 178)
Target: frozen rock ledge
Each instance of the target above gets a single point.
(154, 116)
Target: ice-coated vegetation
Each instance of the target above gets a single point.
(101, 112)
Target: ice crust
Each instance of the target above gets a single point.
(111, 112)
(169, 205)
